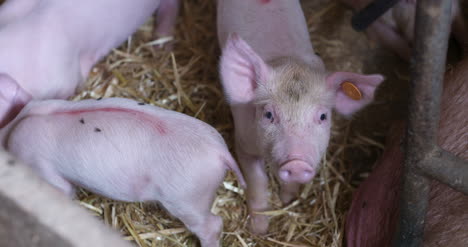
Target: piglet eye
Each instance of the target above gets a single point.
(323, 117)
(269, 115)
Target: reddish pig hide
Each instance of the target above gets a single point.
(47, 47)
(373, 214)
(281, 96)
(395, 29)
(126, 151)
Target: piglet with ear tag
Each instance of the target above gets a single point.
(281, 96)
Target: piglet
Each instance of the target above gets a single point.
(395, 29)
(47, 47)
(281, 96)
(373, 215)
(126, 151)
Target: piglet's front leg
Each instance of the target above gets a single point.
(166, 17)
(256, 178)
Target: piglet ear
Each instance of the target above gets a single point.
(241, 70)
(12, 98)
(360, 90)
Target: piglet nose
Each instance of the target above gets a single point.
(296, 171)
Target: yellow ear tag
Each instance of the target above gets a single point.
(351, 90)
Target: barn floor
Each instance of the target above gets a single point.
(187, 81)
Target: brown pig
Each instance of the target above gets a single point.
(373, 215)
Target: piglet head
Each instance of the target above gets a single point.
(293, 105)
(12, 99)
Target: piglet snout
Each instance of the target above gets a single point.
(296, 171)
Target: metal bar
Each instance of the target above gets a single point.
(447, 168)
(430, 49)
(365, 17)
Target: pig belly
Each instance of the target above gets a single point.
(102, 156)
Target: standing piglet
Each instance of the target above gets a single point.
(395, 29)
(126, 151)
(280, 95)
(47, 47)
(373, 215)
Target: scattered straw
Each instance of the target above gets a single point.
(91, 207)
(186, 80)
(157, 234)
(130, 229)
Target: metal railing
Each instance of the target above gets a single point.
(424, 159)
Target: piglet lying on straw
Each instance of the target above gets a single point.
(48, 47)
(126, 151)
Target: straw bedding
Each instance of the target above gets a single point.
(186, 80)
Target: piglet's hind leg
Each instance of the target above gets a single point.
(200, 221)
(194, 212)
(59, 182)
(208, 228)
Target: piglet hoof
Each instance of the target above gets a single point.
(258, 224)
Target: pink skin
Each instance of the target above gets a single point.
(156, 124)
(128, 152)
(296, 171)
(12, 99)
(49, 46)
(395, 29)
(281, 96)
(372, 218)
